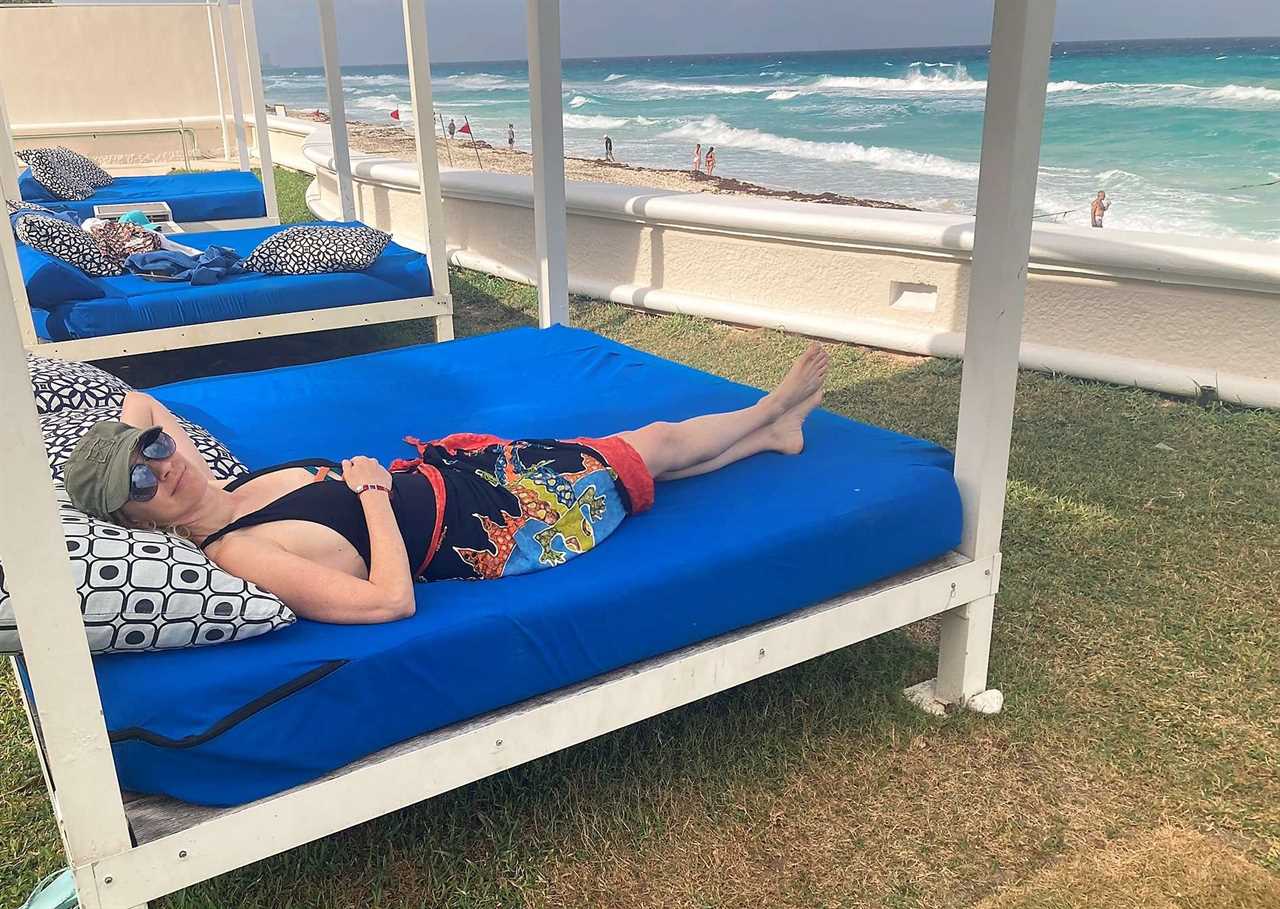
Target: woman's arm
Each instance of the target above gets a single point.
(143, 411)
(313, 591)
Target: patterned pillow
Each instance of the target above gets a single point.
(145, 590)
(315, 249)
(68, 385)
(64, 429)
(15, 207)
(50, 170)
(82, 168)
(66, 242)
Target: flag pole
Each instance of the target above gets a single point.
(472, 133)
(447, 149)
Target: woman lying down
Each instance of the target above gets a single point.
(345, 542)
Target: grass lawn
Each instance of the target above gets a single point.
(1136, 641)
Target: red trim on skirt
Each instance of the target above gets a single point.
(628, 465)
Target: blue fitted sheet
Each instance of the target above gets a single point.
(204, 196)
(718, 552)
(133, 303)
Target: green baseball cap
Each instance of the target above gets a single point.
(97, 474)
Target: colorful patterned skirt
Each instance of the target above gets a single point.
(507, 507)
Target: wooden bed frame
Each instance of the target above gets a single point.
(178, 845)
(438, 305)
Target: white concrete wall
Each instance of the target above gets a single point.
(115, 71)
(1169, 313)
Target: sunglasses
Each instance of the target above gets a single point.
(143, 482)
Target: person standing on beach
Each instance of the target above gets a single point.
(1098, 208)
(511, 138)
(711, 160)
(453, 127)
(697, 158)
(608, 148)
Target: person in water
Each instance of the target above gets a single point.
(1098, 209)
(344, 542)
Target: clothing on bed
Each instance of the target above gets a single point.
(209, 267)
(119, 240)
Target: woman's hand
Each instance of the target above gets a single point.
(362, 471)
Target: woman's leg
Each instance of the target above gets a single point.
(784, 435)
(671, 448)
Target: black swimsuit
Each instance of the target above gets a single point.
(475, 506)
(329, 502)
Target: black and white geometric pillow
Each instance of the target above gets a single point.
(49, 169)
(62, 430)
(15, 207)
(316, 249)
(82, 168)
(68, 385)
(66, 242)
(145, 590)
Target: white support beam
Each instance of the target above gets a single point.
(21, 306)
(39, 578)
(550, 219)
(1021, 41)
(232, 63)
(424, 129)
(217, 82)
(337, 107)
(263, 135)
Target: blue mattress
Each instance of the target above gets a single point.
(224, 725)
(203, 196)
(133, 303)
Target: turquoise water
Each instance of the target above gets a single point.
(1170, 129)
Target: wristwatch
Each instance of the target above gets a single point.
(365, 487)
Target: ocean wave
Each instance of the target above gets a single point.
(652, 89)
(578, 100)
(583, 121)
(482, 82)
(361, 79)
(782, 94)
(1246, 93)
(614, 77)
(714, 131)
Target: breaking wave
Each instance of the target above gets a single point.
(714, 131)
(578, 100)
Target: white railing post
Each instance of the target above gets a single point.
(550, 218)
(8, 245)
(253, 59)
(229, 58)
(337, 108)
(1021, 41)
(38, 577)
(424, 129)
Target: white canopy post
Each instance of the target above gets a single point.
(38, 577)
(550, 218)
(337, 108)
(260, 129)
(229, 59)
(424, 131)
(217, 82)
(1021, 42)
(21, 307)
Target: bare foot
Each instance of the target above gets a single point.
(786, 434)
(803, 379)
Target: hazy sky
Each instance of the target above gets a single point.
(370, 31)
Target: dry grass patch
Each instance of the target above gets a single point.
(1165, 868)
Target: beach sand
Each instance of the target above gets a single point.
(395, 141)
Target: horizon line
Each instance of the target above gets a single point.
(798, 52)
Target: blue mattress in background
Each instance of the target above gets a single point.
(133, 303)
(202, 196)
(227, 724)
